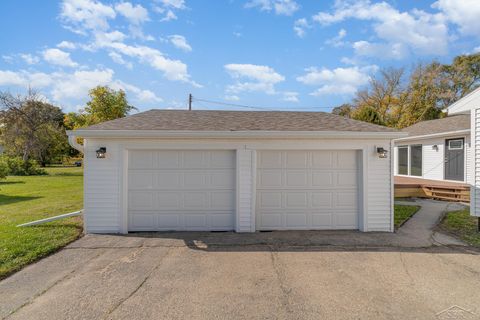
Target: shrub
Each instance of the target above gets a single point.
(16, 166)
(3, 168)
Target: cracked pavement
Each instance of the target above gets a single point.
(277, 275)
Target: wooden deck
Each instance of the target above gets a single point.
(433, 189)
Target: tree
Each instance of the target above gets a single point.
(344, 110)
(105, 104)
(31, 127)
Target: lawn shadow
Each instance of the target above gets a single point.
(2, 183)
(14, 199)
(66, 174)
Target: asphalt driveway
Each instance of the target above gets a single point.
(277, 275)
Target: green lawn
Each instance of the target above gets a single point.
(462, 225)
(403, 213)
(24, 199)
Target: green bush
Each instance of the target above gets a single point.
(3, 168)
(16, 166)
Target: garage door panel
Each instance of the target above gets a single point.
(181, 190)
(296, 159)
(270, 159)
(292, 197)
(296, 200)
(296, 178)
(322, 178)
(270, 200)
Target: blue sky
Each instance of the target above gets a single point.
(280, 54)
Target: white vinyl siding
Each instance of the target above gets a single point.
(106, 180)
(433, 159)
(307, 190)
(475, 190)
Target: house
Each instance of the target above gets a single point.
(470, 105)
(233, 170)
(436, 150)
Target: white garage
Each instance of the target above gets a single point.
(307, 190)
(164, 170)
(181, 190)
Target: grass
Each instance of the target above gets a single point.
(24, 199)
(403, 213)
(462, 225)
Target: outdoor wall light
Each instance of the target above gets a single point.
(382, 153)
(435, 147)
(101, 152)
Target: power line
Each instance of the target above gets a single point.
(253, 107)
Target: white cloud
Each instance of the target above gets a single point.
(167, 8)
(180, 42)
(117, 58)
(64, 87)
(232, 97)
(417, 31)
(136, 14)
(464, 13)
(290, 96)
(252, 77)
(58, 57)
(339, 81)
(67, 45)
(86, 15)
(338, 41)
(280, 7)
(299, 27)
(382, 50)
(30, 59)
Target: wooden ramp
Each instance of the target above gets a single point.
(432, 189)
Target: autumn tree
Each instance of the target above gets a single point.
(105, 104)
(31, 127)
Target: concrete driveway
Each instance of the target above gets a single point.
(277, 275)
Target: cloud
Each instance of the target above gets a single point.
(232, 97)
(136, 14)
(167, 8)
(67, 45)
(86, 15)
(30, 59)
(180, 42)
(117, 58)
(417, 31)
(299, 27)
(382, 50)
(253, 78)
(339, 81)
(337, 41)
(465, 14)
(290, 96)
(280, 7)
(58, 57)
(64, 86)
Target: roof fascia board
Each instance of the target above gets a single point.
(434, 135)
(231, 134)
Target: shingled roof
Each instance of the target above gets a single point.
(206, 120)
(448, 124)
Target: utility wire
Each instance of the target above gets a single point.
(253, 107)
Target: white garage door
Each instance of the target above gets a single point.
(181, 190)
(307, 190)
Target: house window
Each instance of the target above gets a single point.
(455, 144)
(403, 160)
(416, 160)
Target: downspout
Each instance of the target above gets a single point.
(72, 140)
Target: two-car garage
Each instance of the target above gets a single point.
(246, 171)
(186, 190)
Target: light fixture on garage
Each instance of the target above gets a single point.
(382, 153)
(101, 152)
(435, 147)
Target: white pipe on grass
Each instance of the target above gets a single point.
(62, 216)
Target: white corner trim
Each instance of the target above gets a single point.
(72, 140)
(233, 134)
